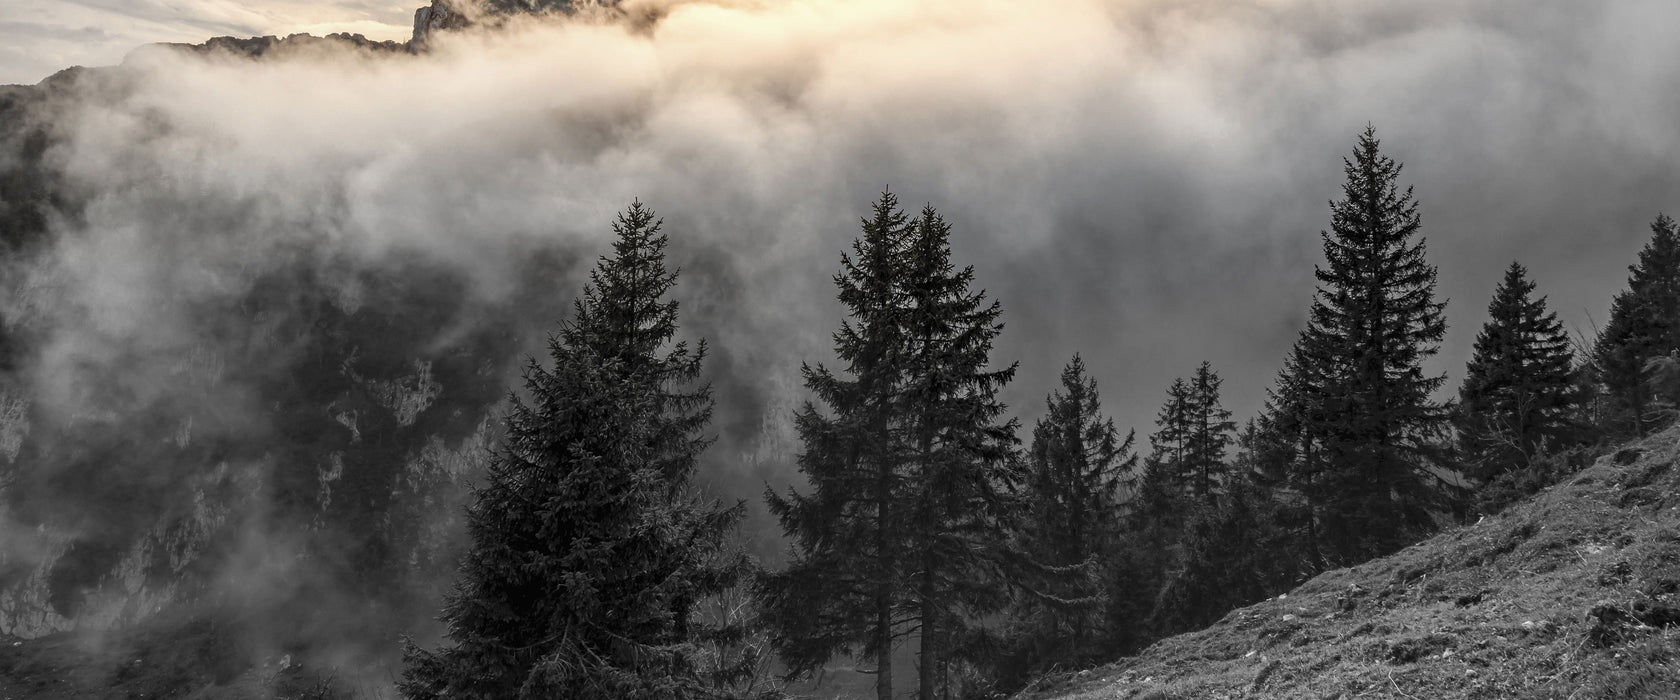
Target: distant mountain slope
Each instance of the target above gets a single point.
(1571, 594)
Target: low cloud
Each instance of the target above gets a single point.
(1142, 182)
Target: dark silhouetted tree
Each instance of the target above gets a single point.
(1355, 390)
(899, 534)
(1644, 326)
(963, 443)
(844, 588)
(1211, 433)
(1070, 492)
(1168, 462)
(589, 551)
(1519, 397)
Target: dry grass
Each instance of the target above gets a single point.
(1566, 595)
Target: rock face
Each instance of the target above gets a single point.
(446, 15)
(440, 15)
(258, 46)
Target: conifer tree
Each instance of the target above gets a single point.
(1210, 435)
(1169, 445)
(963, 443)
(843, 592)
(1156, 514)
(1644, 326)
(1519, 394)
(1070, 489)
(1359, 398)
(589, 551)
(900, 534)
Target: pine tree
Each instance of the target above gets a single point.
(627, 317)
(1644, 326)
(1140, 562)
(1169, 446)
(899, 535)
(1070, 489)
(1210, 435)
(1360, 398)
(843, 591)
(1519, 394)
(589, 551)
(962, 445)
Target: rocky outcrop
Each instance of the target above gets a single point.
(441, 15)
(271, 46)
(446, 15)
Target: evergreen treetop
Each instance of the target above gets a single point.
(1069, 492)
(842, 591)
(1362, 401)
(1169, 445)
(898, 535)
(1074, 472)
(1211, 433)
(589, 552)
(1644, 325)
(1519, 393)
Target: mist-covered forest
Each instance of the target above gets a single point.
(810, 349)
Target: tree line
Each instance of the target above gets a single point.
(925, 523)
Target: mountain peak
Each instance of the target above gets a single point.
(458, 14)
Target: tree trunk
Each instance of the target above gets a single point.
(883, 654)
(929, 672)
(883, 592)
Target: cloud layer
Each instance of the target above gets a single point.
(1140, 181)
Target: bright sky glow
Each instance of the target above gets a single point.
(39, 38)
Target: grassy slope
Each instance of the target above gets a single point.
(1566, 595)
(1540, 601)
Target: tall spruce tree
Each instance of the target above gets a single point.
(589, 550)
(1211, 433)
(843, 592)
(1169, 445)
(1069, 487)
(1519, 394)
(899, 534)
(963, 443)
(1644, 326)
(1187, 449)
(1359, 397)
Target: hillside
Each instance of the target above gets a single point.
(1570, 594)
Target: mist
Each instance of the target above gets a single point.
(1138, 181)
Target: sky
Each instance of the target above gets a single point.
(40, 38)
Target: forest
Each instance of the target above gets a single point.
(929, 520)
